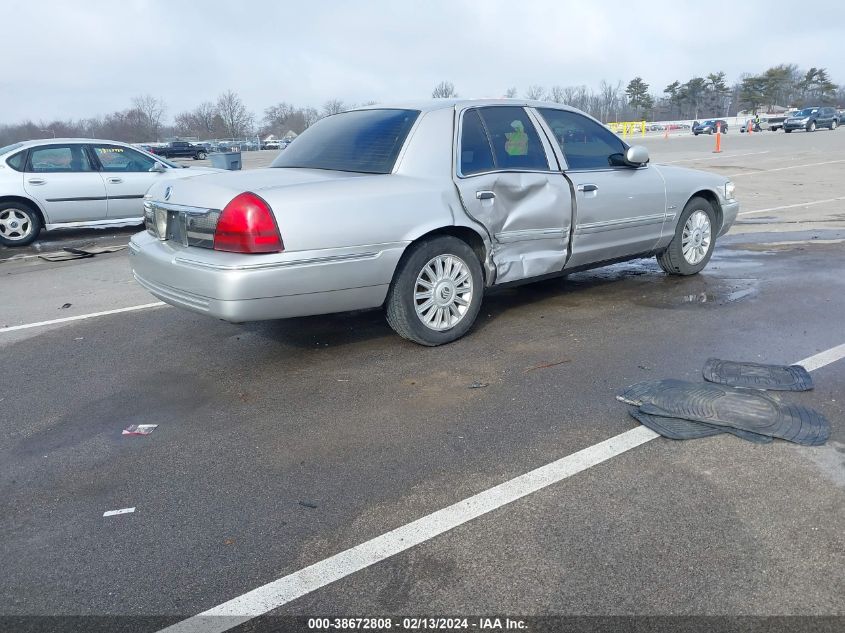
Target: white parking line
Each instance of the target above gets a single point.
(689, 160)
(793, 206)
(283, 590)
(768, 171)
(80, 317)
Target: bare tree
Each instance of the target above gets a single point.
(151, 111)
(535, 93)
(333, 106)
(511, 93)
(444, 90)
(311, 116)
(236, 118)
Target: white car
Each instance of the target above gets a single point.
(57, 183)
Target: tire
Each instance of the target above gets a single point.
(422, 262)
(201, 156)
(673, 260)
(20, 224)
(787, 131)
(811, 127)
(833, 125)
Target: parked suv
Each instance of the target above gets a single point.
(811, 118)
(709, 127)
(182, 149)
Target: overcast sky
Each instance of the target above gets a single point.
(71, 59)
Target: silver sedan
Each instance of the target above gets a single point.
(418, 209)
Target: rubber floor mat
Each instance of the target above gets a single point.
(680, 429)
(722, 405)
(757, 376)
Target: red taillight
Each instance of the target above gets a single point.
(247, 225)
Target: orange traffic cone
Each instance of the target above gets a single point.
(666, 133)
(718, 149)
(749, 127)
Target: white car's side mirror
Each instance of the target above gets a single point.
(637, 155)
(158, 168)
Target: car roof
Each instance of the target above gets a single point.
(429, 105)
(65, 141)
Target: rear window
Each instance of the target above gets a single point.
(9, 148)
(366, 141)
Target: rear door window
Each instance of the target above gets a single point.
(516, 144)
(58, 159)
(476, 153)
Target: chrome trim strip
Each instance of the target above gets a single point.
(180, 208)
(333, 259)
(95, 223)
(611, 225)
(531, 234)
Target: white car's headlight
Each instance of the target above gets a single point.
(729, 190)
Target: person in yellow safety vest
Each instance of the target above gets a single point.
(517, 141)
(756, 121)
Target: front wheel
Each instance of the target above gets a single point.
(691, 248)
(19, 224)
(832, 125)
(787, 131)
(811, 127)
(436, 292)
(201, 155)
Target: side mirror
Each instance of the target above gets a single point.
(158, 168)
(636, 155)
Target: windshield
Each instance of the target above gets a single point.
(711, 122)
(366, 141)
(806, 112)
(9, 148)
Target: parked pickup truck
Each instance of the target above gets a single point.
(181, 149)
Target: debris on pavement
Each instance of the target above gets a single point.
(758, 376)
(65, 306)
(684, 410)
(83, 252)
(308, 504)
(546, 365)
(111, 513)
(478, 385)
(139, 429)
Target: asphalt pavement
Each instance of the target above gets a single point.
(281, 444)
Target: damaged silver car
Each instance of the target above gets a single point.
(419, 209)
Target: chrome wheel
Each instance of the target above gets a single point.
(695, 241)
(15, 225)
(443, 292)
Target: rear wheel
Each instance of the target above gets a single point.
(833, 125)
(787, 130)
(436, 292)
(691, 248)
(201, 155)
(19, 224)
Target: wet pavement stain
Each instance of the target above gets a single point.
(698, 293)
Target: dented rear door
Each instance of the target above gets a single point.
(508, 181)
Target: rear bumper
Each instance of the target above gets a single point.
(253, 288)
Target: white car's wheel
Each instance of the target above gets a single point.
(691, 248)
(436, 292)
(19, 224)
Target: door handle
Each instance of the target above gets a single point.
(36, 181)
(485, 195)
(115, 181)
(586, 188)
